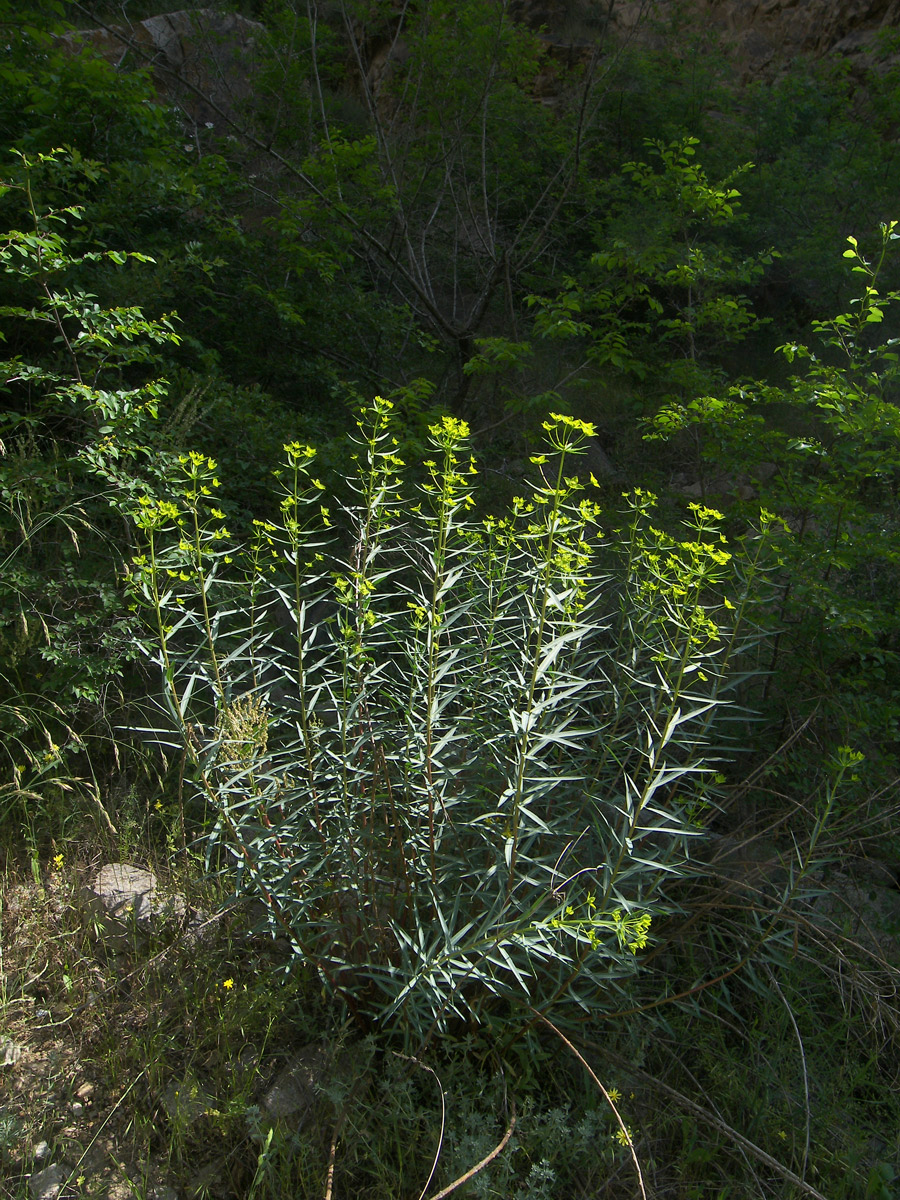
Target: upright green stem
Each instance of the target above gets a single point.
(525, 735)
(293, 532)
(434, 632)
(203, 588)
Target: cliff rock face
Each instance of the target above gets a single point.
(193, 53)
(764, 33)
(204, 52)
(760, 34)
(790, 27)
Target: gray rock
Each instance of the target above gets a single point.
(186, 1100)
(720, 489)
(764, 471)
(866, 912)
(10, 1053)
(865, 871)
(200, 48)
(122, 891)
(206, 1182)
(47, 1184)
(200, 929)
(293, 1094)
(121, 1189)
(126, 902)
(41, 1152)
(125, 1188)
(597, 460)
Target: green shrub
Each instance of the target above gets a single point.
(824, 452)
(77, 400)
(456, 759)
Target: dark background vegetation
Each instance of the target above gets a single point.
(447, 209)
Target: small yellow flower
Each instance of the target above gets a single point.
(614, 1094)
(58, 862)
(227, 984)
(623, 1136)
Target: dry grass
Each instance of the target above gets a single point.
(139, 1070)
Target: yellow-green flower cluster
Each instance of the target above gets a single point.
(630, 929)
(567, 434)
(153, 513)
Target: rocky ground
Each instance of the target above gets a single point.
(122, 1076)
(152, 1044)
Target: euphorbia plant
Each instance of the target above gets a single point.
(455, 757)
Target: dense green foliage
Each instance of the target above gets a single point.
(492, 755)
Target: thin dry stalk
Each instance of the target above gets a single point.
(708, 1118)
(488, 1158)
(332, 1155)
(807, 1110)
(606, 1096)
(437, 1154)
(336, 1137)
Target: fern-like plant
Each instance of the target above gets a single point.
(456, 758)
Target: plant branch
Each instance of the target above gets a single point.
(609, 1100)
(486, 1161)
